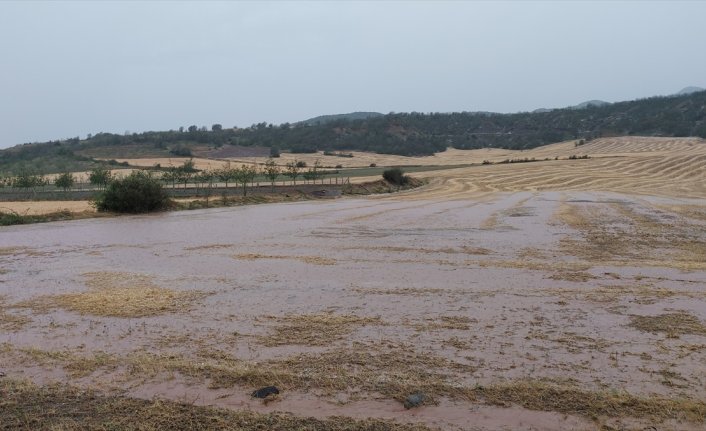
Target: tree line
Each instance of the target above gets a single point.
(412, 133)
(242, 175)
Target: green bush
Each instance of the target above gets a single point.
(395, 176)
(8, 219)
(136, 193)
(181, 151)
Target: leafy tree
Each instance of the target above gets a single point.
(65, 181)
(318, 173)
(245, 174)
(188, 166)
(292, 170)
(170, 176)
(183, 176)
(227, 174)
(216, 128)
(314, 173)
(25, 179)
(205, 180)
(395, 176)
(271, 171)
(99, 177)
(137, 193)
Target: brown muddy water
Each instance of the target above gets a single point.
(351, 305)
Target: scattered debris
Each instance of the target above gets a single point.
(414, 400)
(265, 392)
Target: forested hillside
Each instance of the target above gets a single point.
(397, 133)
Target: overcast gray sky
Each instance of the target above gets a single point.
(73, 68)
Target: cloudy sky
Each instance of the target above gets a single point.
(72, 68)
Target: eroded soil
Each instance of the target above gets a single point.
(531, 310)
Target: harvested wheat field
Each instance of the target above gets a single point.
(46, 207)
(566, 294)
(173, 162)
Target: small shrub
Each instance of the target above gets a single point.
(395, 176)
(181, 151)
(136, 193)
(8, 219)
(301, 164)
(339, 166)
(373, 165)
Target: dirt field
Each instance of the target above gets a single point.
(552, 295)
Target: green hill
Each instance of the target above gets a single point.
(402, 133)
(323, 119)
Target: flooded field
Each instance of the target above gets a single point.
(527, 310)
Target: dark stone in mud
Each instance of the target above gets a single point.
(414, 400)
(265, 392)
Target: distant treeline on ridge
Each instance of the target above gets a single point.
(415, 133)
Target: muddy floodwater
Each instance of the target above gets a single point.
(351, 305)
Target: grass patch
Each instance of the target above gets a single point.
(393, 371)
(75, 365)
(560, 266)
(544, 396)
(25, 406)
(398, 249)
(411, 291)
(643, 294)
(208, 247)
(446, 322)
(458, 343)
(314, 260)
(619, 235)
(14, 218)
(314, 329)
(9, 321)
(577, 276)
(673, 324)
(117, 294)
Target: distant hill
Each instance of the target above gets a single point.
(689, 90)
(323, 119)
(589, 104)
(411, 133)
